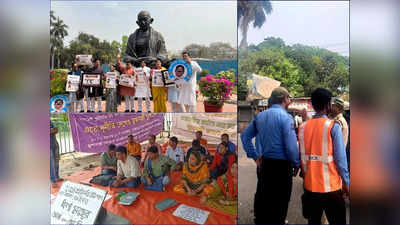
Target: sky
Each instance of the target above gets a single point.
(317, 23)
(180, 23)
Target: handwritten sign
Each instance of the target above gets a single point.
(126, 80)
(72, 83)
(157, 78)
(91, 80)
(192, 214)
(111, 80)
(76, 204)
(84, 59)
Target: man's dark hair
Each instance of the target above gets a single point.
(224, 144)
(111, 147)
(121, 149)
(174, 139)
(186, 53)
(153, 136)
(130, 135)
(195, 143)
(225, 134)
(199, 132)
(320, 98)
(273, 100)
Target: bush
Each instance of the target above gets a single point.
(243, 89)
(227, 75)
(203, 73)
(216, 90)
(58, 80)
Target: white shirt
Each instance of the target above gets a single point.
(177, 155)
(128, 169)
(187, 94)
(143, 91)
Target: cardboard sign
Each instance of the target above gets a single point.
(157, 78)
(84, 59)
(192, 214)
(111, 80)
(76, 204)
(141, 76)
(73, 83)
(91, 80)
(126, 80)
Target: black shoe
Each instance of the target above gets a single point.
(100, 111)
(139, 111)
(126, 110)
(133, 110)
(148, 111)
(82, 111)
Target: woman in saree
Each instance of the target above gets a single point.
(158, 90)
(195, 177)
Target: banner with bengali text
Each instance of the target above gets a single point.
(94, 132)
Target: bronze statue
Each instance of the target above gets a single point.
(145, 44)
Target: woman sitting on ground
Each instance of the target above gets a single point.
(222, 161)
(195, 177)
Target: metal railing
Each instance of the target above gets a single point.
(64, 137)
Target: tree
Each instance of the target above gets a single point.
(124, 43)
(251, 12)
(58, 30)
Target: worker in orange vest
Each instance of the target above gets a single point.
(323, 164)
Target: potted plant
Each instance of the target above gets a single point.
(216, 91)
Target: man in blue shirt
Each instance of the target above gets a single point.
(231, 145)
(277, 157)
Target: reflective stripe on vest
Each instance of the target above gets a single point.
(316, 149)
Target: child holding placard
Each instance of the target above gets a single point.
(159, 93)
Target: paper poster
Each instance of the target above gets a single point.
(111, 80)
(59, 104)
(126, 80)
(141, 76)
(84, 59)
(180, 69)
(192, 214)
(91, 80)
(157, 78)
(166, 78)
(76, 204)
(73, 83)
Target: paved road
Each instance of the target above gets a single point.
(247, 188)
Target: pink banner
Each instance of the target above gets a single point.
(94, 132)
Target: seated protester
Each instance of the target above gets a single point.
(222, 161)
(225, 194)
(156, 170)
(203, 142)
(128, 174)
(195, 177)
(152, 142)
(108, 161)
(175, 153)
(231, 145)
(134, 149)
(205, 155)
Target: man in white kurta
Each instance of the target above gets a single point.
(187, 94)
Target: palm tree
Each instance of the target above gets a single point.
(58, 30)
(251, 11)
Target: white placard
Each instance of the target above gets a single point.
(92, 80)
(73, 83)
(126, 80)
(84, 59)
(76, 204)
(192, 214)
(157, 79)
(111, 80)
(141, 76)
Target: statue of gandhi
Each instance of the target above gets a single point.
(145, 44)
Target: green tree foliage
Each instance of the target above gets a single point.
(300, 68)
(58, 30)
(216, 50)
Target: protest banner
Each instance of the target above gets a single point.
(111, 80)
(91, 80)
(83, 59)
(76, 204)
(126, 80)
(93, 133)
(213, 125)
(72, 84)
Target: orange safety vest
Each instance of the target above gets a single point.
(316, 149)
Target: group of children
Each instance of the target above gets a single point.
(212, 178)
(182, 95)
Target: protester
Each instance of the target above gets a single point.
(231, 146)
(143, 88)
(127, 92)
(159, 98)
(222, 161)
(187, 93)
(76, 104)
(54, 156)
(173, 92)
(134, 149)
(195, 177)
(95, 93)
(337, 115)
(276, 156)
(225, 194)
(324, 164)
(205, 155)
(112, 94)
(156, 170)
(108, 161)
(199, 135)
(152, 142)
(128, 173)
(175, 152)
